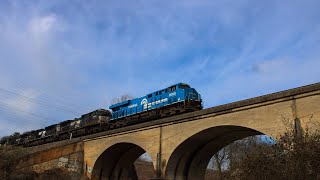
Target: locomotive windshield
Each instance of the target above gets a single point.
(184, 86)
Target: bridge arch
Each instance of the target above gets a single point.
(190, 159)
(117, 162)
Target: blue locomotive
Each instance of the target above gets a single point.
(175, 99)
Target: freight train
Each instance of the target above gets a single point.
(173, 100)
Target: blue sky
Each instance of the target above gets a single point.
(60, 59)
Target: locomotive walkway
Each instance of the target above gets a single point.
(181, 146)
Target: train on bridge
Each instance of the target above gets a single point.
(173, 100)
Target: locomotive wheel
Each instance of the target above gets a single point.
(88, 130)
(163, 113)
(105, 127)
(124, 122)
(66, 136)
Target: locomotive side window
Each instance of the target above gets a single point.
(172, 88)
(150, 95)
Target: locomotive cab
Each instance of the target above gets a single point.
(191, 98)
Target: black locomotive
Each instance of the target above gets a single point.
(89, 123)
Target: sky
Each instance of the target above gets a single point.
(60, 59)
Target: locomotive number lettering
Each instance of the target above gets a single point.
(133, 105)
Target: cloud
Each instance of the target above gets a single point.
(77, 56)
(43, 24)
(262, 78)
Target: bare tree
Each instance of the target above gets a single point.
(228, 158)
(292, 157)
(219, 162)
(122, 98)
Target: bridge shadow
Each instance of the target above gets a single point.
(117, 163)
(190, 159)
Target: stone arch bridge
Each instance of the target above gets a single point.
(181, 146)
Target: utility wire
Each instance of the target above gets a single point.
(33, 116)
(21, 102)
(39, 101)
(44, 94)
(17, 118)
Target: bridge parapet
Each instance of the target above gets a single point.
(180, 147)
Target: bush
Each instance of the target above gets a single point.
(292, 157)
(9, 159)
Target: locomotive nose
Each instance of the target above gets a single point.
(192, 94)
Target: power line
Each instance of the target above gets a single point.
(39, 101)
(20, 101)
(47, 96)
(30, 116)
